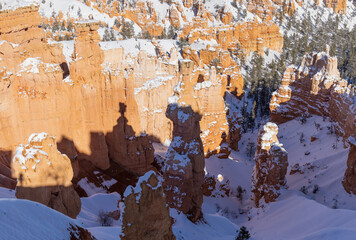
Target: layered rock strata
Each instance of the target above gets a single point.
(102, 104)
(64, 89)
(44, 175)
(268, 175)
(145, 214)
(315, 87)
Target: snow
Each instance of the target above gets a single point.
(215, 227)
(199, 44)
(202, 85)
(68, 49)
(37, 137)
(14, 4)
(93, 205)
(301, 218)
(27, 220)
(131, 46)
(90, 188)
(71, 8)
(24, 152)
(137, 189)
(154, 83)
(31, 65)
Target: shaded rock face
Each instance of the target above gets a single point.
(315, 87)
(349, 181)
(6, 179)
(271, 158)
(44, 175)
(145, 214)
(184, 167)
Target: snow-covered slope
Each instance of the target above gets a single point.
(27, 220)
(319, 210)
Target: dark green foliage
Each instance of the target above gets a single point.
(117, 23)
(127, 30)
(260, 82)
(70, 26)
(309, 37)
(109, 35)
(171, 32)
(182, 43)
(243, 234)
(146, 35)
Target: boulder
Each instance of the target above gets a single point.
(45, 175)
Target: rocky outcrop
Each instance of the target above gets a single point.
(349, 181)
(268, 175)
(20, 25)
(184, 166)
(145, 214)
(44, 175)
(339, 6)
(315, 87)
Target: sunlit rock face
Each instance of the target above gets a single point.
(315, 87)
(271, 158)
(45, 175)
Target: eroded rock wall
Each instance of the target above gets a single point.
(315, 87)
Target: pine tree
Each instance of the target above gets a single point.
(182, 43)
(127, 30)
(171, 32)
(243, 234)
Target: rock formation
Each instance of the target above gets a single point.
(339, 6)
(45, 175)
(55, 88)
(98, 101)
(349, 181)
(184, 167)
(271, 158)
(145, 214)
(315, 87)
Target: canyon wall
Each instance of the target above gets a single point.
(101, 103)
(315, 87)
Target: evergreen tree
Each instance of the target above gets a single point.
(171, 32)
(243, 234)
(127, 30)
